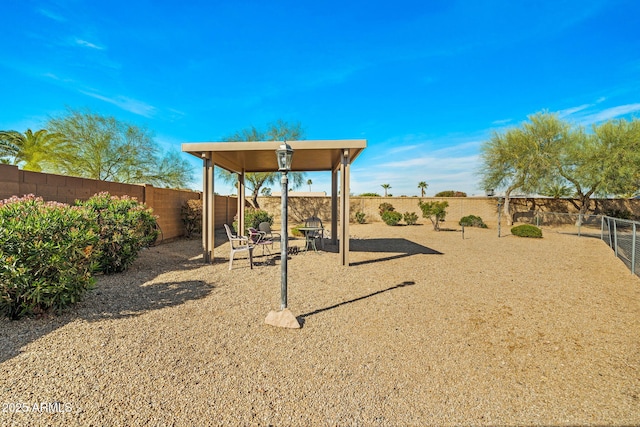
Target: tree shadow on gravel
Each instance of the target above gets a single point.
(118, 296)
(402, 247)
(301, 318)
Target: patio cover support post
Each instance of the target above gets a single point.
(344, 207)
(207, 208)
(334, 206)
(241, 204)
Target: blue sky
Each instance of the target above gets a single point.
(424, 82)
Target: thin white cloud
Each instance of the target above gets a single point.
(569, 111)
(501, 122)
(127, 104)
(52, 15)
(610, 113)
(85, 43)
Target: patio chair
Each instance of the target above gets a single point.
(239, 244)
(259, 238)
(313, 235)
(265, 228)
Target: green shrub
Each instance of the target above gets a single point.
(411, 218)
(385, 207)
(360, 217)
(125, 227)
(47, 253)
(369, 195)
(434, 211)
(472, 221)
(191, 215)
(391, 217)
(451, 193)
(253, 218)
(526, 230)
(297, 233)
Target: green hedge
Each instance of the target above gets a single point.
(49, 250)
(47, 255)
(472, 221)
(526, 230)
(391, 217)
(125, 226)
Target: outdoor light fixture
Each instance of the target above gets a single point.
(283, 318)
(284, 154)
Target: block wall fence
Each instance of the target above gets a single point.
(484, 207)
(166, 203)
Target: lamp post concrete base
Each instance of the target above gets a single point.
(282, 319)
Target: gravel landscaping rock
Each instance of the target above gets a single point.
(424, 328)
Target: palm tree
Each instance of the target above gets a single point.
(423, 187)
(386, 187)
(309, 182)
(30, 150)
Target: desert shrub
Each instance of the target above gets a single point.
(391, 217)
(191, 215)
(360, 217)
(411, 218)
(434, 211)
(125, 227)
(472, 221)
(47, 254)
(451, 193)
(297, 233)
(385, 207)
(526, 230)
(253, 218)
(369, 195)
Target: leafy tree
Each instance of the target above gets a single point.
(102, 147)
(604, 162)
(522, 158)
(434, 211)
(386, 187)
(278, 131)
(309, 182)
(32, 150)
(423, 187)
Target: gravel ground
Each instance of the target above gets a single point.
(424, 328)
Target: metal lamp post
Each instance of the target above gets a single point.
(284, 318)
(285, 156)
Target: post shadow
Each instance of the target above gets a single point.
(301, 318)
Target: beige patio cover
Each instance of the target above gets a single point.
(309, 156)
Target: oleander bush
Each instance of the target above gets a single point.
(360, 217)
(47, 255)
(125, 227)
(191, 215)
(472, 221)
(526, 230)
(391, 217)
(411, 218)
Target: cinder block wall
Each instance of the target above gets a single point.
(484, 207)
(166, 203)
